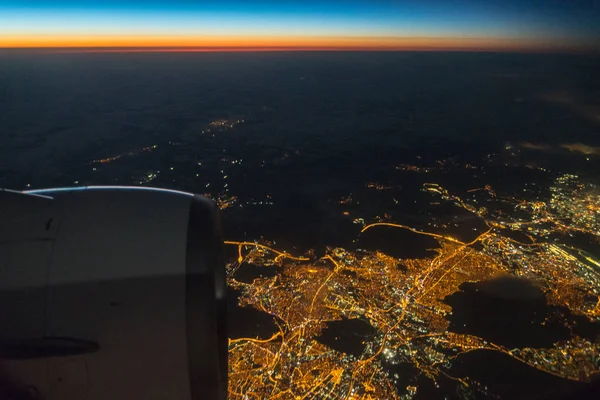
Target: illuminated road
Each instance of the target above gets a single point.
(406, 305)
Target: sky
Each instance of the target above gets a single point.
(309, 24)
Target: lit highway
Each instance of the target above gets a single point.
(403, 300)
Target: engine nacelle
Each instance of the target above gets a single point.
(111, 293)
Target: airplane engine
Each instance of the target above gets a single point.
(111, 293)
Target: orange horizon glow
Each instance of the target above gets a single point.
(150, 43)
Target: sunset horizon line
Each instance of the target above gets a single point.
(115, 43)
(79, 50)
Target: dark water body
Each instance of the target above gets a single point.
(511, 379)
(249, 272)
(399, 243)
(513, 312)
(247, 321)
(347, 335)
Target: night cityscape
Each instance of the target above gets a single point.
(407, 214)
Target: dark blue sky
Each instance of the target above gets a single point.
(541, 19)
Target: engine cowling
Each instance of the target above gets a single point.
(112, 293)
